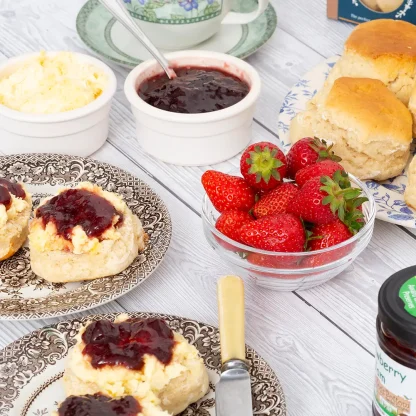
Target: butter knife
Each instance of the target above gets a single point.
(233, 391)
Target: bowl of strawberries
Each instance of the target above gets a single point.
(290, 221)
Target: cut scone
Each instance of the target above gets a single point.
(412, 108)
(410, 191)
(382, 49)
(83, 233)
(370, 128)
(99, 404)
(372, 4)
(15, 209)
(153, 364)
(387, 6)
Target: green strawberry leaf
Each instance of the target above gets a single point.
(324, 151)
(343, 200)
(264, 164)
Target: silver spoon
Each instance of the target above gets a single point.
(119, 11)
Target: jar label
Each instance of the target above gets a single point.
(395, 387)
(407, 294)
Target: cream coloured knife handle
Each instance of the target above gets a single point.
(231, 318)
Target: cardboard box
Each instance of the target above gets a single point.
(359, 11)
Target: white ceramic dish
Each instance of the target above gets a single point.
(78, 132)
(194, 139)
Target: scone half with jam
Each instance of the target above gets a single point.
(142, 358)
(15, 209)
(101, 405)
(83, 233)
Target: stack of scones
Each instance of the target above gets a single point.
(367, 106)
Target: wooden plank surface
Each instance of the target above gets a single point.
(319, 342)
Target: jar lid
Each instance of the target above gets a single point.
(397, 305)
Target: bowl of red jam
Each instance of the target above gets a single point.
(202, 116)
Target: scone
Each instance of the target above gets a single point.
(412, 108)
(101, 405)
(83, 233)
(382, 49)
(141, 358)
(370, 128)
(372, 4)
(388, 6)
(15, 209)
(410, 191)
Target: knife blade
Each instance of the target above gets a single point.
(233, 391)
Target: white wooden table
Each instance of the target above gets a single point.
(319, 342)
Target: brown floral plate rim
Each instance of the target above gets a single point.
(37, 170)
(33, 354)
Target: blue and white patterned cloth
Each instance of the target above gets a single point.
(388, 194)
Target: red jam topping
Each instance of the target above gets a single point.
(79, 207)
(5, 197)
(99, 405)
(7, 188)
(126, 343)
(193, 91)
(14, 188)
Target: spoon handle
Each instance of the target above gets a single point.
(119, 11)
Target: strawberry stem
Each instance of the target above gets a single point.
(264, 164)
(324, 151)
(344, 200)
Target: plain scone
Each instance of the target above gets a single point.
(388, 6)
(372, 4)
(105, 258)
(370, 128)
(172, 387)
(15, 227)
(410, 191)
(382, 49)
(412, 108)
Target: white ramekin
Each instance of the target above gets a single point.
(194, 139)
(78, 132)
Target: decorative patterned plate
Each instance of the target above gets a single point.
(105, 36)
(31, 369)
(23, 295)
(388, 194)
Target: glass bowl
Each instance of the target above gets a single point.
(290, 271)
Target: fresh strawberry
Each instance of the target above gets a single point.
(320, 259)
(324, 168)
(272, 261)
(306, 152)
(230, 222)
(328, 235)
(263, 165)
(282, 232)
(276, 201)
(261, 194)
(227, 192)
(323, 200)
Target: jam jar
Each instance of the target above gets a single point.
(395, 379)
